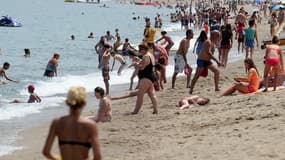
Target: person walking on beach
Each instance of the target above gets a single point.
(273, 61)
(204, 60)
(104, 113)
(119, 58)
(3, 75)
(51, 68)
(250, 35)
(273, 24)
(240, 36)
(167, 40)
(146, 79)
(226, 43)
(180, 58)
(252, 81)
(106, 67)
(76, 134)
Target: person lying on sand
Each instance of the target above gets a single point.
(189, 102)
(129, 94)
(34, 98)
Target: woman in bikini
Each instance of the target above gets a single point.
(251, 83)
(273, 61)
(189, 102)
(76, 134)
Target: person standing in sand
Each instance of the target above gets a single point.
(119, 58)
(273, 61)
(181, 58)
(76, 134)
(51, 68)
(204, 60)
(250, 35)
(106, 67)
(3, 75)
(104, 111)
(146, 79)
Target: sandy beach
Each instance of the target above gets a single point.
(234, 127)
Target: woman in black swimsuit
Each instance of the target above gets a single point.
(146, 79)
(76, 134)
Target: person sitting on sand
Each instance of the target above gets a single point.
(189, 102)
(104, 113)
(252, 82)
(3, 75)
(76, 134)
(34, 98)
(273, 61)
(119, 58)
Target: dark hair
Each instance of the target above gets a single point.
(127, 40)
(251, 65)
(275, 40)
(203, 36)
(100, 91)
(6, 64)
(189, 31)
(163, 33)
(251, 23)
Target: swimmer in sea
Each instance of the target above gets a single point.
(119, 58)
(51, 68)
(34, 98)
(3, 76)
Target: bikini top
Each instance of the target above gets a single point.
(84, 144)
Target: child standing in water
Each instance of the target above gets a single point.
(119, 58)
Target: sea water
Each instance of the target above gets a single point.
(47, 27)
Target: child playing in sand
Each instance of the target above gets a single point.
(119, 58)
(189, 102)
(34, 98)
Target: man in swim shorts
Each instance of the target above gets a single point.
(181, 59)
(106, 67)
(204, 60)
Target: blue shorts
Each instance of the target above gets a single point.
(203, 63)
(249, 44)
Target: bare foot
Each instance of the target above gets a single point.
(191, 91)
(217, 90)
(155, 112)
(133, 113)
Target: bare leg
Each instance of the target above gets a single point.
(173, 80)
(130, 94)
(216, 76)
(199, 70)
(121, 69)
(226, 57)
(246, 52)
(152, 96)
(251, 53)
(265, 76)
(143, 88)
(107, 86)
(189, 78)
(163, 73)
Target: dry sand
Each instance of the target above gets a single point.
(235, 127)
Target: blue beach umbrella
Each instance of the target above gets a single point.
(277, 7)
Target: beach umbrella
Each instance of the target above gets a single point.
(277, 7)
